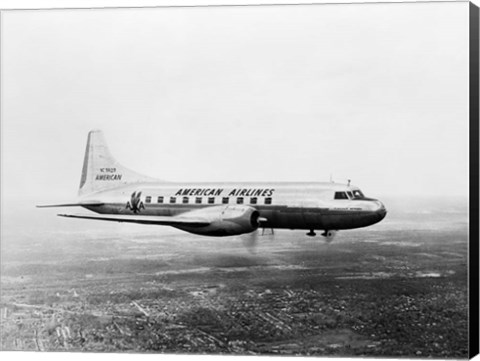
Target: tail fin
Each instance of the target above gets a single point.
(101, 171)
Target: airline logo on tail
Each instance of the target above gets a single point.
(101, 171)
(108, 174)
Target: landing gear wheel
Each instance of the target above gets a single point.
(311, 233)
(329, 235)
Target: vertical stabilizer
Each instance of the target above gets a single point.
(101, 171)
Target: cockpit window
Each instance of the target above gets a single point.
(358, 194)
(341, 195)
(350, 194)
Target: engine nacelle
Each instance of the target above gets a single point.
(229, 220)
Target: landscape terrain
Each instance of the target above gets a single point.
(398, 288)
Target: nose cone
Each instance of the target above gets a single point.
(381, 212)
(373, 212)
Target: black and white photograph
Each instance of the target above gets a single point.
(255, 179)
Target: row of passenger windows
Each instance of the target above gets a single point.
(210, 200)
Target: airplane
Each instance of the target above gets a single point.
(116, 193)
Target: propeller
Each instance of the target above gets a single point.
(250, 241)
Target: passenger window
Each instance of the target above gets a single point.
(268, 200)
(160, 199)
(341, 195)
(185, 200)
(350, 194)
(148, 199)
(225, 200)
(173, 200)
(240, 200)
(211, 200)
(198, 200)
(253, 200)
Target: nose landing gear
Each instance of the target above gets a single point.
(328, 234)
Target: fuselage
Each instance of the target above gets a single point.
(327, 206)
(118, 194)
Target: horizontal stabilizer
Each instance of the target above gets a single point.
(78, 204)
(156, 220)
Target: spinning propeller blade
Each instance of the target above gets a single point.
(250, 241)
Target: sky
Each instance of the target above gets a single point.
(375, 93)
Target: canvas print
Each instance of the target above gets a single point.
(253, 180)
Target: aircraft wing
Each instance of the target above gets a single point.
(158, 220)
